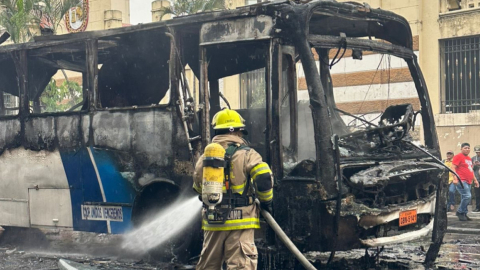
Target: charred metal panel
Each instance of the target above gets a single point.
(40, 133)
(153, 138)
(378, 175)
(85, 127)
(10, 134)
(253, 28)
(112, 130)
(69, 131)
(299, 212)
(147, 135)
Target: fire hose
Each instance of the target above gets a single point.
(286, 241)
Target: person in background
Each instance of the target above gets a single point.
(462, 164)
(476, 172)
(451, 186)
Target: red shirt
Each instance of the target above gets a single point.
(464, 167)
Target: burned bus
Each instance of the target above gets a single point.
(125, 139)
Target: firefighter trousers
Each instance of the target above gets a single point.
(236, 248)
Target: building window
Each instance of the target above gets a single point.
(11, 104)
(252, 89)
(461, 75)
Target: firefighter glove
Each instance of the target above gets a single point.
(267, 206)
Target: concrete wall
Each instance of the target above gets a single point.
(113, 19)
(455, 129)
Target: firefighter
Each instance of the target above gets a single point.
(229, 220)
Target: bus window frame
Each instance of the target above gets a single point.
(207, 104)
(85, 103)
(273, 85)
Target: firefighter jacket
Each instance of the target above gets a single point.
(246, 165)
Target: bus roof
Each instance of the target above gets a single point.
(328, 17)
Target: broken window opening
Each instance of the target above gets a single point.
(365, 91)
(460, 73)
(135, 72)
(56, 79)
(63, 93)
(9, 92)
(288, 111)
(242, 68)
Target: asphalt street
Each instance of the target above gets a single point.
(461, 250)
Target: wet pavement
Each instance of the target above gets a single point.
(461, 250)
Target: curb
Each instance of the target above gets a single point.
(452, 229)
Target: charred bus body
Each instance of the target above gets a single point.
(119, 149)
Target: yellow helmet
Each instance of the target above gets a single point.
(228, 119)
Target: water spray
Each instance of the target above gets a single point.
(163, 226)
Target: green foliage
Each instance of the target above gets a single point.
(21, 18)
(185, 7)
(60, 98)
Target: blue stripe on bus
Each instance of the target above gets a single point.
(126, 225)
(116, 188)
(84, 187)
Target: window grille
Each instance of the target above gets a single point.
(461, 76)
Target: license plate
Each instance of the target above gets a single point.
(407, 217)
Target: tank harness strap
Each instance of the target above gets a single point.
(244, 199)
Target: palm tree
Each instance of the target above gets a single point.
(53, 11)
(15, 16)
(185, 7)
(22, 18)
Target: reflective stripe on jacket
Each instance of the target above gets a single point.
(245, 165)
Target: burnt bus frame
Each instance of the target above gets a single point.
(292, 19)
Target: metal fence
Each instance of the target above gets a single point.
(461, 75)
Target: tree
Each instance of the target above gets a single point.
(60, 98)
(22, 18)
(185, 7)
